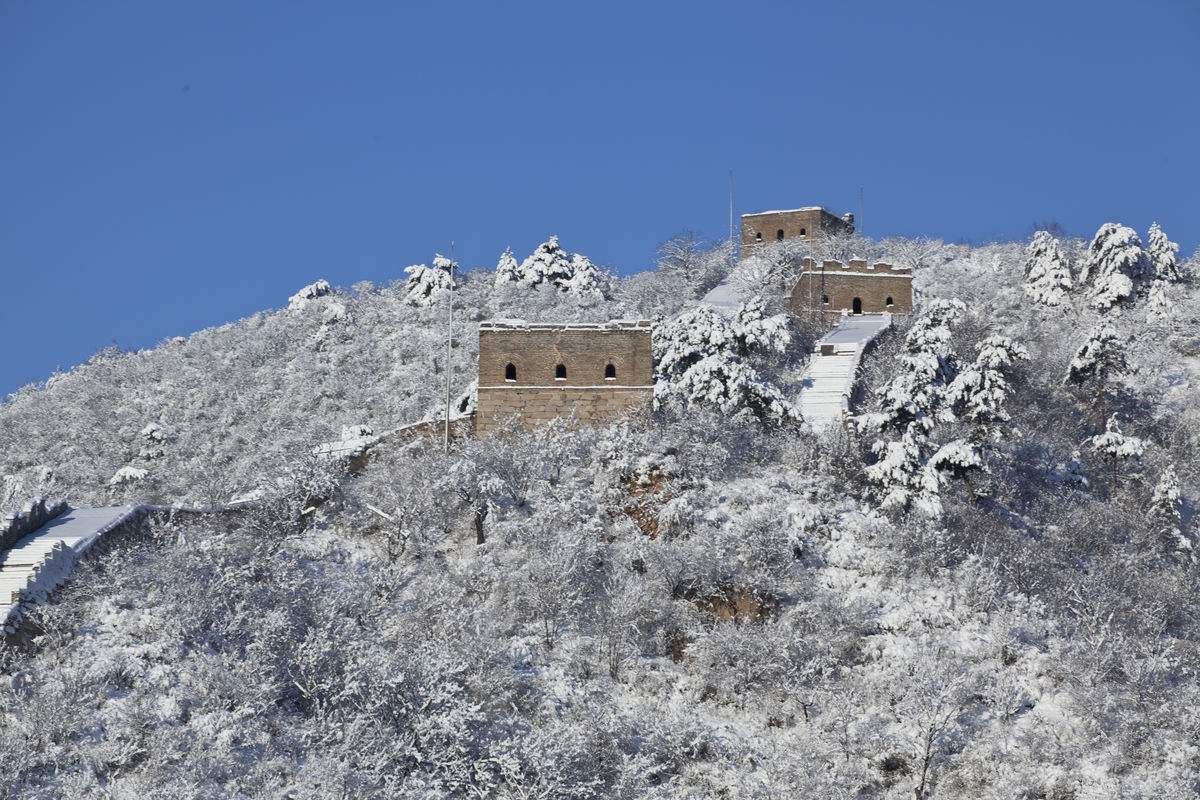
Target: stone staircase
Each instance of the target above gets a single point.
(38, 560)
(828, 382)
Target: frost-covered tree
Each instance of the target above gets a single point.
(1116, 447)
(507, 268)
(1114, 264)
(1163, 255)
(957, 459)
(900, 476)
(551, 266)
(425, 282)
(977, 394)
(702, 358)
(1158, 303)
(1166, 510)
(928, 366)
(1047, 273)
(1098, 362)
(699, 263)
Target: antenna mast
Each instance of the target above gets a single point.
(449, 347)
(860, 211)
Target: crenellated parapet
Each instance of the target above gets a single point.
(36, 513)
(856, 286)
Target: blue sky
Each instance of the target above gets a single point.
(166, 167)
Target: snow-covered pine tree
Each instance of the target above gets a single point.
(1099, 360)
(1158, 303)
(507, 269)
(899, 474)
(1163, 255)
(755, 331)
(928, 366)
(700, 359)
(977, 394)
(1166, 510)
(957, 459)
(424, 282)
(1115, 447)
(1047, 273)
(585, 278)
(1115, 263)
(547, 264)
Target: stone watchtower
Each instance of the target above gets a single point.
(855, 287)
(799, 223)
(539, 371)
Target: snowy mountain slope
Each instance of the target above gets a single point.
(691, 604)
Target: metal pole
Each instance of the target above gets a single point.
(860, 211)
(449, 347)
(731, 252)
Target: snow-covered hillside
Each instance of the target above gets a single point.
(986, 588)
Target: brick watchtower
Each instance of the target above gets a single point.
(798, 223)
(539, 371)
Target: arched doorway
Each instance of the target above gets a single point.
(856, 306)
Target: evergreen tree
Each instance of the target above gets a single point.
(1047, 274)
(978, 393)
(1116, 447)
(1115, 262)
(1099, 361)
(1164, 256)
(507, 269)
(548, 263)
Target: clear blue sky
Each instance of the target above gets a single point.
(169, 166)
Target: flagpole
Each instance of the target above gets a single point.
(449, 348)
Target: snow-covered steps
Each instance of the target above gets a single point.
(39, 561)
(828, 381)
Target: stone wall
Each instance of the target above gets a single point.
(800, 223)
(36, 513)
(540, 371)
(833, 286)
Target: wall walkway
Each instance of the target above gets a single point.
(828, 382)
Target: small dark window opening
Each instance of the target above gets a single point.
(610, 372)
(560, 372)
(803, 232)
(779, 234)
(889, 301)
(825, 299)
(856, 305)
(510, 372)
(758, 237)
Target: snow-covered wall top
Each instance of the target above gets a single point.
(522, 325)
(36, 513)
(855, 265)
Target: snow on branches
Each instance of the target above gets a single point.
(1114, 446)
(551, 265)
(1115, 262)
(1099, 360)
(701, 358)
(311, 292)
(1163, 255)
(424, 282)
(929, 365)
(977, 394)
(1047, 273)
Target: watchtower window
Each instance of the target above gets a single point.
(560, 372)
(825, 299)
(779, 234)
(803, 232)
(889, 302)
(610, 372)
(758, 237)
(510, 372)
(856, 306)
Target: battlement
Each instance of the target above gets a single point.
(521, 325)
(854, 266)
